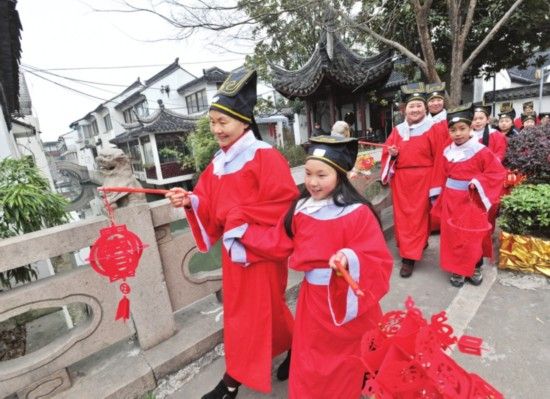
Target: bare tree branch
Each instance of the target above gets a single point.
(490, 35)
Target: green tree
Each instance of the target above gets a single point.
(447, 40)
(26, 204)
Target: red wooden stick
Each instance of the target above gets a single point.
(133, 190)
(373, 144)
(342, 270)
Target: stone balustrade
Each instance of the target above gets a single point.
(163, 286)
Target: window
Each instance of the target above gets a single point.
(129, 115)
(196, 102)
(141, 109)
(173, 142)
(94, 129)
(107, 122)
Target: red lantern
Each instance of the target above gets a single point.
(115, 254)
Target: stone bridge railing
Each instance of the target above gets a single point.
(163, 286)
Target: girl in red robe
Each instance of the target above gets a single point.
(490, 138)
(330, 222)
(467, 165)
(248, 174)
(408, 165)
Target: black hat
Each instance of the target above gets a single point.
(463, 113)
(528, 104)
(237, 97)
(544, 115)
(528, 117)
(338, 152)
(435, 90)
(413, 91)
(507, 110)
(486, 109)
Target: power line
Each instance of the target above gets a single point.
(36, 73)
(135, 66)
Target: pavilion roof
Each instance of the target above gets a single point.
(334, 61)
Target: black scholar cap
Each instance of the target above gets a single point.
(338, 152)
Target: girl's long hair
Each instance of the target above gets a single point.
(344, 194)
(485, 139)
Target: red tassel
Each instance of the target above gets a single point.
(123, 310)
(470, 345)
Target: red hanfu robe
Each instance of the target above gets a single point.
(410, 178)
(258, 325)
(518, 123)
(330, 319)
(497, 142)
(469, 163)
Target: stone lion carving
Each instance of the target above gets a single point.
(116, 170)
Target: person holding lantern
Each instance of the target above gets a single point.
(248, 174)
(408, 161)
(330, 225)
(470, 172)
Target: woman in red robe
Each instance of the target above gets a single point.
(467, 166)
(408, 165)
(248, 174)
(330, 222)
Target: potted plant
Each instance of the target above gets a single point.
(525, 212)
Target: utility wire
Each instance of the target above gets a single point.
(36, 73)
(135, 66)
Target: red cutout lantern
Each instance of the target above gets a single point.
(115, 254)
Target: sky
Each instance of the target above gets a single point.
(61, 34)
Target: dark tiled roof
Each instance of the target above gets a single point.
(10, 53)
(162, 121)
(210, 75)
(134, 98)
(396, 80)
(137, 83)
(345, 69)
(527, 75)
(516, 93)
(166, 71)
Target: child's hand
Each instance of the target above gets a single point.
(393, 150)
(179, 197)
(338, 257)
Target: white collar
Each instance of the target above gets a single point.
(311, 205)
(224, 157)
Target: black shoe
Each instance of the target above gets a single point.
(221, 392)
(477, 277)
(457, 280)
(406, 270)
(283, 369)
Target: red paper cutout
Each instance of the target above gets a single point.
(404, 358)
(115, 254)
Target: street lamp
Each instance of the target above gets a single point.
(541, 73)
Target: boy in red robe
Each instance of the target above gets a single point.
(408, 163)
(330, 222)
(248, 174)
(467, 165)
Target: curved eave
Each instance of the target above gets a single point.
(346, 69)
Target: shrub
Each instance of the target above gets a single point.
(526, 211)
(529, 153)
(295, 155)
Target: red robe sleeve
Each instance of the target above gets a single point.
(387, 162)
(498, 144)
(276, 192)
(369, 262)
(439, 139)
(200, 216)
(490, 178)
